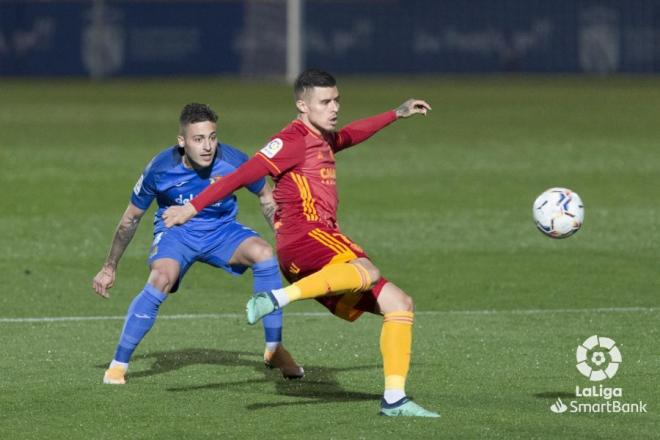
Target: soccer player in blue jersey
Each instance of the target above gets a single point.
(174, 177)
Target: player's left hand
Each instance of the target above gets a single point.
(178, 215)
(412, 107)
(104, 280)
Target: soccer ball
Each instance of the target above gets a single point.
(558, 212)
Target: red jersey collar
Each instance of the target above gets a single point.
(309, 130)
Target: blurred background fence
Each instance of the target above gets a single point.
(102, 38)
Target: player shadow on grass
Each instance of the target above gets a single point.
(320, 384)
(166, 361)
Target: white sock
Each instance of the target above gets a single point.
(272, 346)
(281, 297)
(392, 396)
(115, 363)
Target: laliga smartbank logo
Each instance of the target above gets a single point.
(598, 359)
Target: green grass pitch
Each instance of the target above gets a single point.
(443, 206)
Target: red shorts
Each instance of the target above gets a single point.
(318, 248)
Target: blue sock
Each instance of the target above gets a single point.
(266, 275)
(139, 320)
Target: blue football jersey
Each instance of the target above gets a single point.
(168, 181)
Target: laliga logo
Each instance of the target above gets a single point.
(598, 358)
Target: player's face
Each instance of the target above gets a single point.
(199, 141)
(320, 105)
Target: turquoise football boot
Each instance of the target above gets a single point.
(260, 305)
(404, 408)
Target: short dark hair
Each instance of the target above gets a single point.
(194, 112)
(311, 78)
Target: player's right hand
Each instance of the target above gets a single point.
(103, 281)
(178, 215)
(412, 107)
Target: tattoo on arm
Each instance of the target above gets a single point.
(403, 110)
(123, 236)
(268, 208)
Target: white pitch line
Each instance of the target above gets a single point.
(326, 314)
(541, 311)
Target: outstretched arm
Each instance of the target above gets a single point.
(362, 129)
(249, 172)
(124, 233)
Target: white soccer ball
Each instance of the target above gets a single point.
(558, 212)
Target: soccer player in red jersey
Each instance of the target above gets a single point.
(314, 255)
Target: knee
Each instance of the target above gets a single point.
(372, 270)
(402, 303)
(262, 252)
(406, 303)
(374, 274)
(392, 299)
(161, 280)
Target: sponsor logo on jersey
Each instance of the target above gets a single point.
(272, 148)
(328, 176)
(182, 199)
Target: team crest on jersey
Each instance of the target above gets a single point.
(272, 148)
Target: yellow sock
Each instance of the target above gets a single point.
(332, 279)
(395, 346)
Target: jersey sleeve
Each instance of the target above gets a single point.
(250, 171)
(237, 158)
(282, 153)
(144, 190)
(361, 130)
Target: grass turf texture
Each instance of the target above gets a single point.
(443, 206)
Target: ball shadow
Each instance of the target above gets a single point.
(553, 395)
